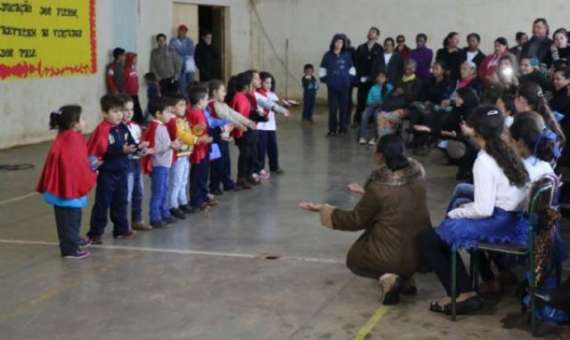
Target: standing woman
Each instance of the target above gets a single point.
(337, 71)
(451, 55)
(496, 214)
(422, 55)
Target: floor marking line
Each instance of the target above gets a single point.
(19, 198)
(371, 323)
(180, 251)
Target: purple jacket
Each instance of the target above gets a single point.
(423, 57)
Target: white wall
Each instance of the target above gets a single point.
(25, 104)
(310, 24)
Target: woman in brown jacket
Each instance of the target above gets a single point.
(392, 212)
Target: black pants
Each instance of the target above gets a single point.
(437, 255)
(308, 105)
(111, 195)
(247, 156)
(138, 116)
(338, 109)
(267, 146)
(362, 95)
(68, 222)
(221, 169)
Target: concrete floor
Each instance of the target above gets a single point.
(208, 277)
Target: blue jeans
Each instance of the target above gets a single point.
(184, 81)
(199, 183)
(179, 174)
(136, 190)
(111, 195)
(338, 104)
(159, 194)
(370, 112)
(463, 193)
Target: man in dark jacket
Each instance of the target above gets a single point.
(207, 58)
(389, 62)
(472, 52)
(365, 54)
(539, 45)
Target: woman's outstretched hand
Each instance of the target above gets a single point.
(356, 188)
(310, 206)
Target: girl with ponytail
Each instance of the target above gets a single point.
(495, 215)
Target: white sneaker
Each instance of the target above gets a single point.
(372, 142)
(362, 141)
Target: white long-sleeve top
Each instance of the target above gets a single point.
(269, 102)
(537, 168)
(492, 190)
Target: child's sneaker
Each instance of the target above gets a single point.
(78, 255)
(95, 240)
(169, 220)
(126, 236)
(141, 226)
(279, 171)
(177, 213)
(85, 242)
(372, 142)
(264, 174)
(186, 209)
(362, 141)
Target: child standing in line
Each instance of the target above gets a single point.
(375, 98)
(67, 178)
(158, 164)
(180, 171)
(310, 88)
(132, 85)
(220, 169)
(267, 131)
(200, 155)
(135, 177)
(111, 143)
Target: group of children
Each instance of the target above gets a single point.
(183, 146)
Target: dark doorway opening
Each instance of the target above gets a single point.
(211, 19)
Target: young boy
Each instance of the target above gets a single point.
(200, 155)
(310, 88)
(180, 171)
(159, 162)
(115, 78)
(135, 179)
(110, 144)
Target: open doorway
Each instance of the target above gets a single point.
(212, 19)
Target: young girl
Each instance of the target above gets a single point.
(495, 215)
(267, 134)
(67, 177)
(375, 98)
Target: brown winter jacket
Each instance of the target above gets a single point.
(392, 211)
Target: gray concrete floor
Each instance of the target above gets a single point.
(208, 278)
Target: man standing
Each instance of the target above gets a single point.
(184, 47)
(164, 64)
(207, 58)
(365, 54)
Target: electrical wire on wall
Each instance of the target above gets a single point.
(283, 63)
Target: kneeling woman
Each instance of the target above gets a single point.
(500, 187)
(392, 212)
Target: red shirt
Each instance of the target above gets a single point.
(198, 117)
(241, 104)
(131, 76)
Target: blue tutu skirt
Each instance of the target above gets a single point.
(503, 227)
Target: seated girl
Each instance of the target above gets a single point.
(387, 250)
(375, 98)
(495, 215)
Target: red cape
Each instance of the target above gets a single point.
(67, 173)
(148, 136)
(197, 117)
(99, 141)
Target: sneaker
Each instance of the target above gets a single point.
(168, 220)
(362, 141)
(279, 171)
(372, 142)
(212, 203)
(141, 226)
(177, 213)
(264, 174)
(85, 242)
(253, 180)
(186, 209)
(126, 236)
(95, 239)
(242, 184)
(390, 289)
(78, 255)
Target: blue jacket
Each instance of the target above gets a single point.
(115, 160)
(337, 71)
(375, 94)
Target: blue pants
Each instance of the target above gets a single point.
(111, 194)
(463, 193)
(267, 145)
(159, 194)
(178, 186)
(136, 190)
(184, 81)
(308, 105)
(68, 222)
(338, 109)
(199, 183)
(221, 169)
(369, 113)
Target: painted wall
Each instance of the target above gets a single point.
(310, 24)
(25, 104)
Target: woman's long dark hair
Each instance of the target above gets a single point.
(264, 75)
(489, 124)
(238, 83)
(534, 96)
(339, 36)
(392, 148)
(527, 128)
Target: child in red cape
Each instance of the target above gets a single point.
(67, 177)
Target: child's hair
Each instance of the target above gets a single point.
(441, 63)
(158, 105)
(125, 98)
(110, 101)
(174, 99)
(238, 83)
(489, 124)
(214, 85)
(384, 88)
(308, 67)
(509, 101)
(150, 77)
(197, 93)
(535, 98)
(117, 52)
(527, 128)
(160, 35)
(394, 152)
(264, 75)
(65, 117)
(410, 63)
